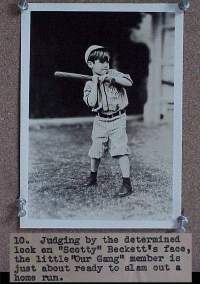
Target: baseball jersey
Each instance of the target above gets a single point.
(109, 97)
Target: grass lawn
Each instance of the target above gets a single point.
(59, 166)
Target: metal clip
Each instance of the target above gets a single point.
(22, 5)
(20, 204)
(184, 5)
(182, 223)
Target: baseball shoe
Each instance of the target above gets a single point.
(91, 181)
(125, 190)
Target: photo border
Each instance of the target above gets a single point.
(26, 222)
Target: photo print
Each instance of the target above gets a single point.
(101, 115)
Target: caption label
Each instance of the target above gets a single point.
(89, 257)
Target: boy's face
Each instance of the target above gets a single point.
(98, 67)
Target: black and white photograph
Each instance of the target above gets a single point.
(101, 115)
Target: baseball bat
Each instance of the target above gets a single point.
(72, 75)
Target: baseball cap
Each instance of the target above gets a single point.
(91, 49)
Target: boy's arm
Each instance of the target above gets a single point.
(116, 77)
(90, 92)
(124, 81)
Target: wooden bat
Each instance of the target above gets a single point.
(72, 76)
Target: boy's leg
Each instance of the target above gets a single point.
(95, 164)
(119, 149)
(124, 166)
(126, 188)
(94, 169)
(99, 136)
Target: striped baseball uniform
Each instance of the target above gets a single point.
(108, 133)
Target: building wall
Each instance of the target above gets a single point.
(157, 31)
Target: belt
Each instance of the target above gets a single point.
(111, 115)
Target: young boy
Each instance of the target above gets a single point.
(106, 95)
